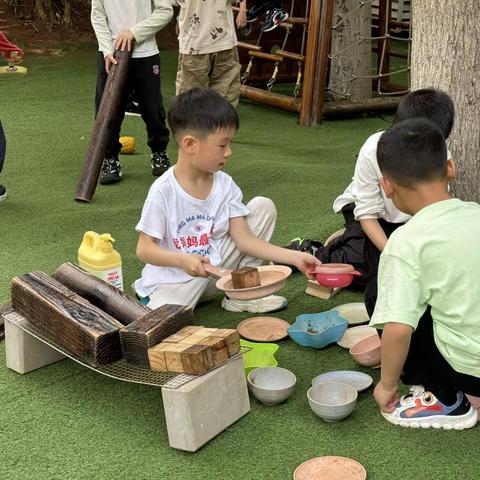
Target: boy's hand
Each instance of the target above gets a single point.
(305, 262)
(109, 61)
(193, 264)
(386, 398)
(241, 19)
(123, 40)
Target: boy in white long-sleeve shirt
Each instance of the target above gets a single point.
(117, 24)
(371, 217)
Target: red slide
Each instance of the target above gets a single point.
(7, 48)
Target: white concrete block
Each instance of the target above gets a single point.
(24, 352)
(201, 409)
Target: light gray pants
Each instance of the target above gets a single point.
(261, 220)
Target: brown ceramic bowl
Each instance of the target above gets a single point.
(366, 352)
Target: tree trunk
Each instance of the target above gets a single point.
(67, 15)
(351, 55)
(40, 9)
(446, 55)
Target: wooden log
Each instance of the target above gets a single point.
(271, 99)
(265, 56)
(67, 319)
(100, 293)
(246, 277)
(310, 63)
(144, 333)
(249, 46)
(296, 20)
(291, 55)
(102, 130)
(335, 109)
(318, 98)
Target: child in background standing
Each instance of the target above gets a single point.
(208, 55)
(117, 24)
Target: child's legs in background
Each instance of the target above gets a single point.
(3, 146)
(261, 220)
(193, 71)
(225, 74)
(114, 146)
(145, 79)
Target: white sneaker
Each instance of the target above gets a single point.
(271, 303)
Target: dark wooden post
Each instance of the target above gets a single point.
(102, 129)
(325, 33)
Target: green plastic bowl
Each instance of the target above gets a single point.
(260, 355)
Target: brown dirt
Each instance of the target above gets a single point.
(41, 38)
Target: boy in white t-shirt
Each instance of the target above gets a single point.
(428, 301)
(208, 55)
(370, 216)
(194, 215)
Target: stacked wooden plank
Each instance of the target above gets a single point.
(194, 350)
(150, 329)
(67, 319)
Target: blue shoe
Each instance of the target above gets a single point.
(3, 193)
(421, 409)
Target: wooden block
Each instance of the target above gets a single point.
(319, 291)
(246, 277)
(207, 331)
(147, 331)
(196, 359)
(195, 338)
(220, 356)
(156, 356)
(215, 343)
(173, 358)
(232, 339)
(181, 334)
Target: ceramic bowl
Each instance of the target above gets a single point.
(271, 385)
(318, 330)
(260, 355)
(366, 352)
(332, 401)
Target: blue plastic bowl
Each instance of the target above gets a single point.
(318, 330)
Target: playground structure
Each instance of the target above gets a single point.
(13, 55)
(323, 54)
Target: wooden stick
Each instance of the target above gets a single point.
(272, 99)
(102, 130)
(100, 293)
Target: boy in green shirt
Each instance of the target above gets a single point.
(428, 301)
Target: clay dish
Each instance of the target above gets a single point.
(263, 329)
(330, 468)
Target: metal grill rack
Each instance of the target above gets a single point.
(120, 370)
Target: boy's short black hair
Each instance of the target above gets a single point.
(429, 103)
(413, 152)
(201, 110)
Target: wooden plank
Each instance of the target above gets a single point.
(182, 334)
(100, 293)
(140, 335)
(319, 291)
(66, 318)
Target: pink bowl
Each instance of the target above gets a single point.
(366, 352)
(334, 274)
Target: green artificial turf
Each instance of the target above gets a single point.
(67, 422)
